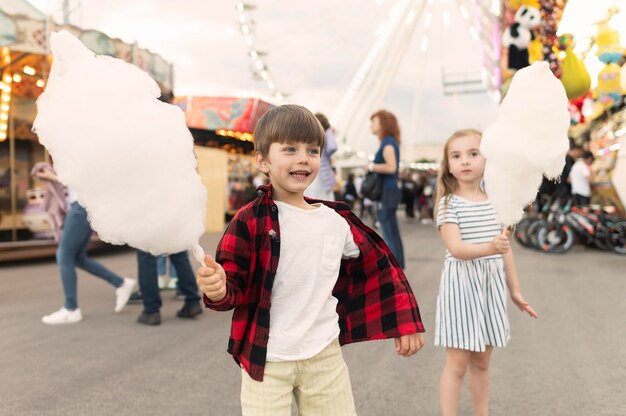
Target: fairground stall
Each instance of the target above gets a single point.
(24, 65)
(583, 43)
(223, 131)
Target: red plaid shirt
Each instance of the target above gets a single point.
(375, 299)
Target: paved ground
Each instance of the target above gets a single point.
(572, 361)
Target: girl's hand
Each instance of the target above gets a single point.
(501, 243)
(408, 345)
(518, 299)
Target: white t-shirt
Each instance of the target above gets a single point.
(303, 316)
(579, 178)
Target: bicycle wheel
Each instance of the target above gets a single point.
(532, 233)
(520, 232)
(555, 238)
(617, 237)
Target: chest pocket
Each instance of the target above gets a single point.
(331, 253)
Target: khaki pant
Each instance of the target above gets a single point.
(321, 386)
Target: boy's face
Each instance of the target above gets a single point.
(291, 167)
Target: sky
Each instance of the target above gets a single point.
(313, 51)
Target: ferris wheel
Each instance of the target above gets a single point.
(404, 29)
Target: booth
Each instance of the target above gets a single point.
(224, 126)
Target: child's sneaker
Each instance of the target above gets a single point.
(63, 316)
(122, 293)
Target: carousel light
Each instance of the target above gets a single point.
(29, 70)
(40, 83)
(7, 79)
(4, 107)
(6, 98)
(3, 126)
(4, 116)
(17, 78)
(3, 136)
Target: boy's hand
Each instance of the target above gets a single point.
(408, 345)
(212, 279)
(501, 243)
(518, 299)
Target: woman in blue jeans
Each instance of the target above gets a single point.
(72, 253)
(386, 162)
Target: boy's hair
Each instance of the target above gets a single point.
(388, 124)
(287, 124)
(446, 183)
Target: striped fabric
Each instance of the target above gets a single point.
(476, 220)
(471, 305)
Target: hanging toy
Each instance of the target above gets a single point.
(574, 74)
(518, 36)
(609, 89)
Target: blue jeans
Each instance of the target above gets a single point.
(72, 253)
(149, 286)
(388, 219)
(162, 267)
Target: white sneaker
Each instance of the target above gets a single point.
(63, 316)
(171, 285)
(163, 281)
(122, 293)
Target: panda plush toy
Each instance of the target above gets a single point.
(517, 36)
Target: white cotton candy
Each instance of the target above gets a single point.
(128, 156)
(528, 140)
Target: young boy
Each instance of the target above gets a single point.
(336, 281)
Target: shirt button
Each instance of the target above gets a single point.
(273, 208)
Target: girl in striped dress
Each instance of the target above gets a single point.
(471, 305)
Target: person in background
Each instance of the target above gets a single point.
(148, 283)
(72, 253)
(386, 162)
(349, 191)
(338, 189)
(563, 189)
(581, 177)
(322, 187)
(166, 280)
(408, 193)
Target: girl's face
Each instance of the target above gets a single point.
(375, 126)
(464, 159)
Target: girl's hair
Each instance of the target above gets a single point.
(446, 183)
(388, 125)
(288, 123)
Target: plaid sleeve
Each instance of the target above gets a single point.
(375, 298)
(233, 253)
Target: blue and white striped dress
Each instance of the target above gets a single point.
(471, 305)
